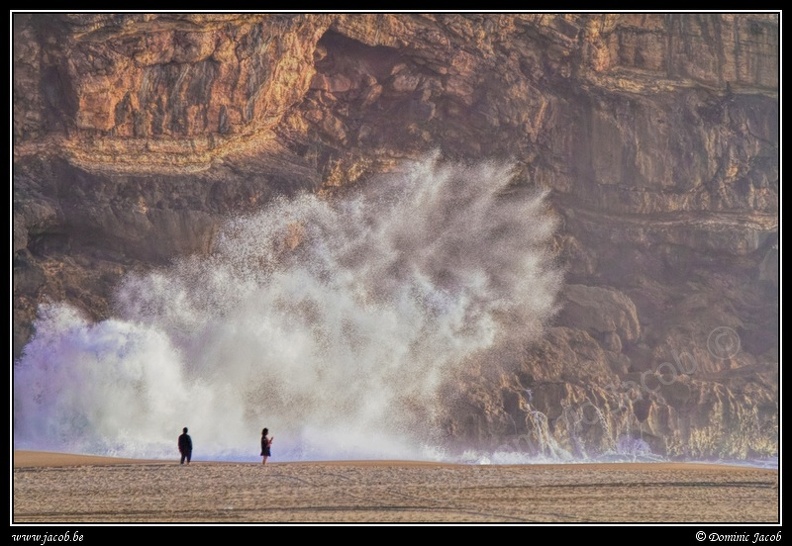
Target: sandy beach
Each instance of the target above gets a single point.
(67, 488)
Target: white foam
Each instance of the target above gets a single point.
(332, 322)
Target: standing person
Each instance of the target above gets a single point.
(266, 442)
(185, 446)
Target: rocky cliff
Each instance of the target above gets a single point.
(136, 135)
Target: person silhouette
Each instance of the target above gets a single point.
(185, 446)
(266, 442)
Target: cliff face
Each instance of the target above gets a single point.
(136, 135)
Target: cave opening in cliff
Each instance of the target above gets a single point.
(337, 54)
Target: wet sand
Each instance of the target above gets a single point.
(67, 488)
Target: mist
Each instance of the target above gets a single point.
(333, 321)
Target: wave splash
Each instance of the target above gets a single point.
(334, 322)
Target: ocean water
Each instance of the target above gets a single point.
(333, 322)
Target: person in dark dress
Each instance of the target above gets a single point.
(266, 442)
(185, 446)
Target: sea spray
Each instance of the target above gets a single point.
(333, 321)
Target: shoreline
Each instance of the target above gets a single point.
(40, 459)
